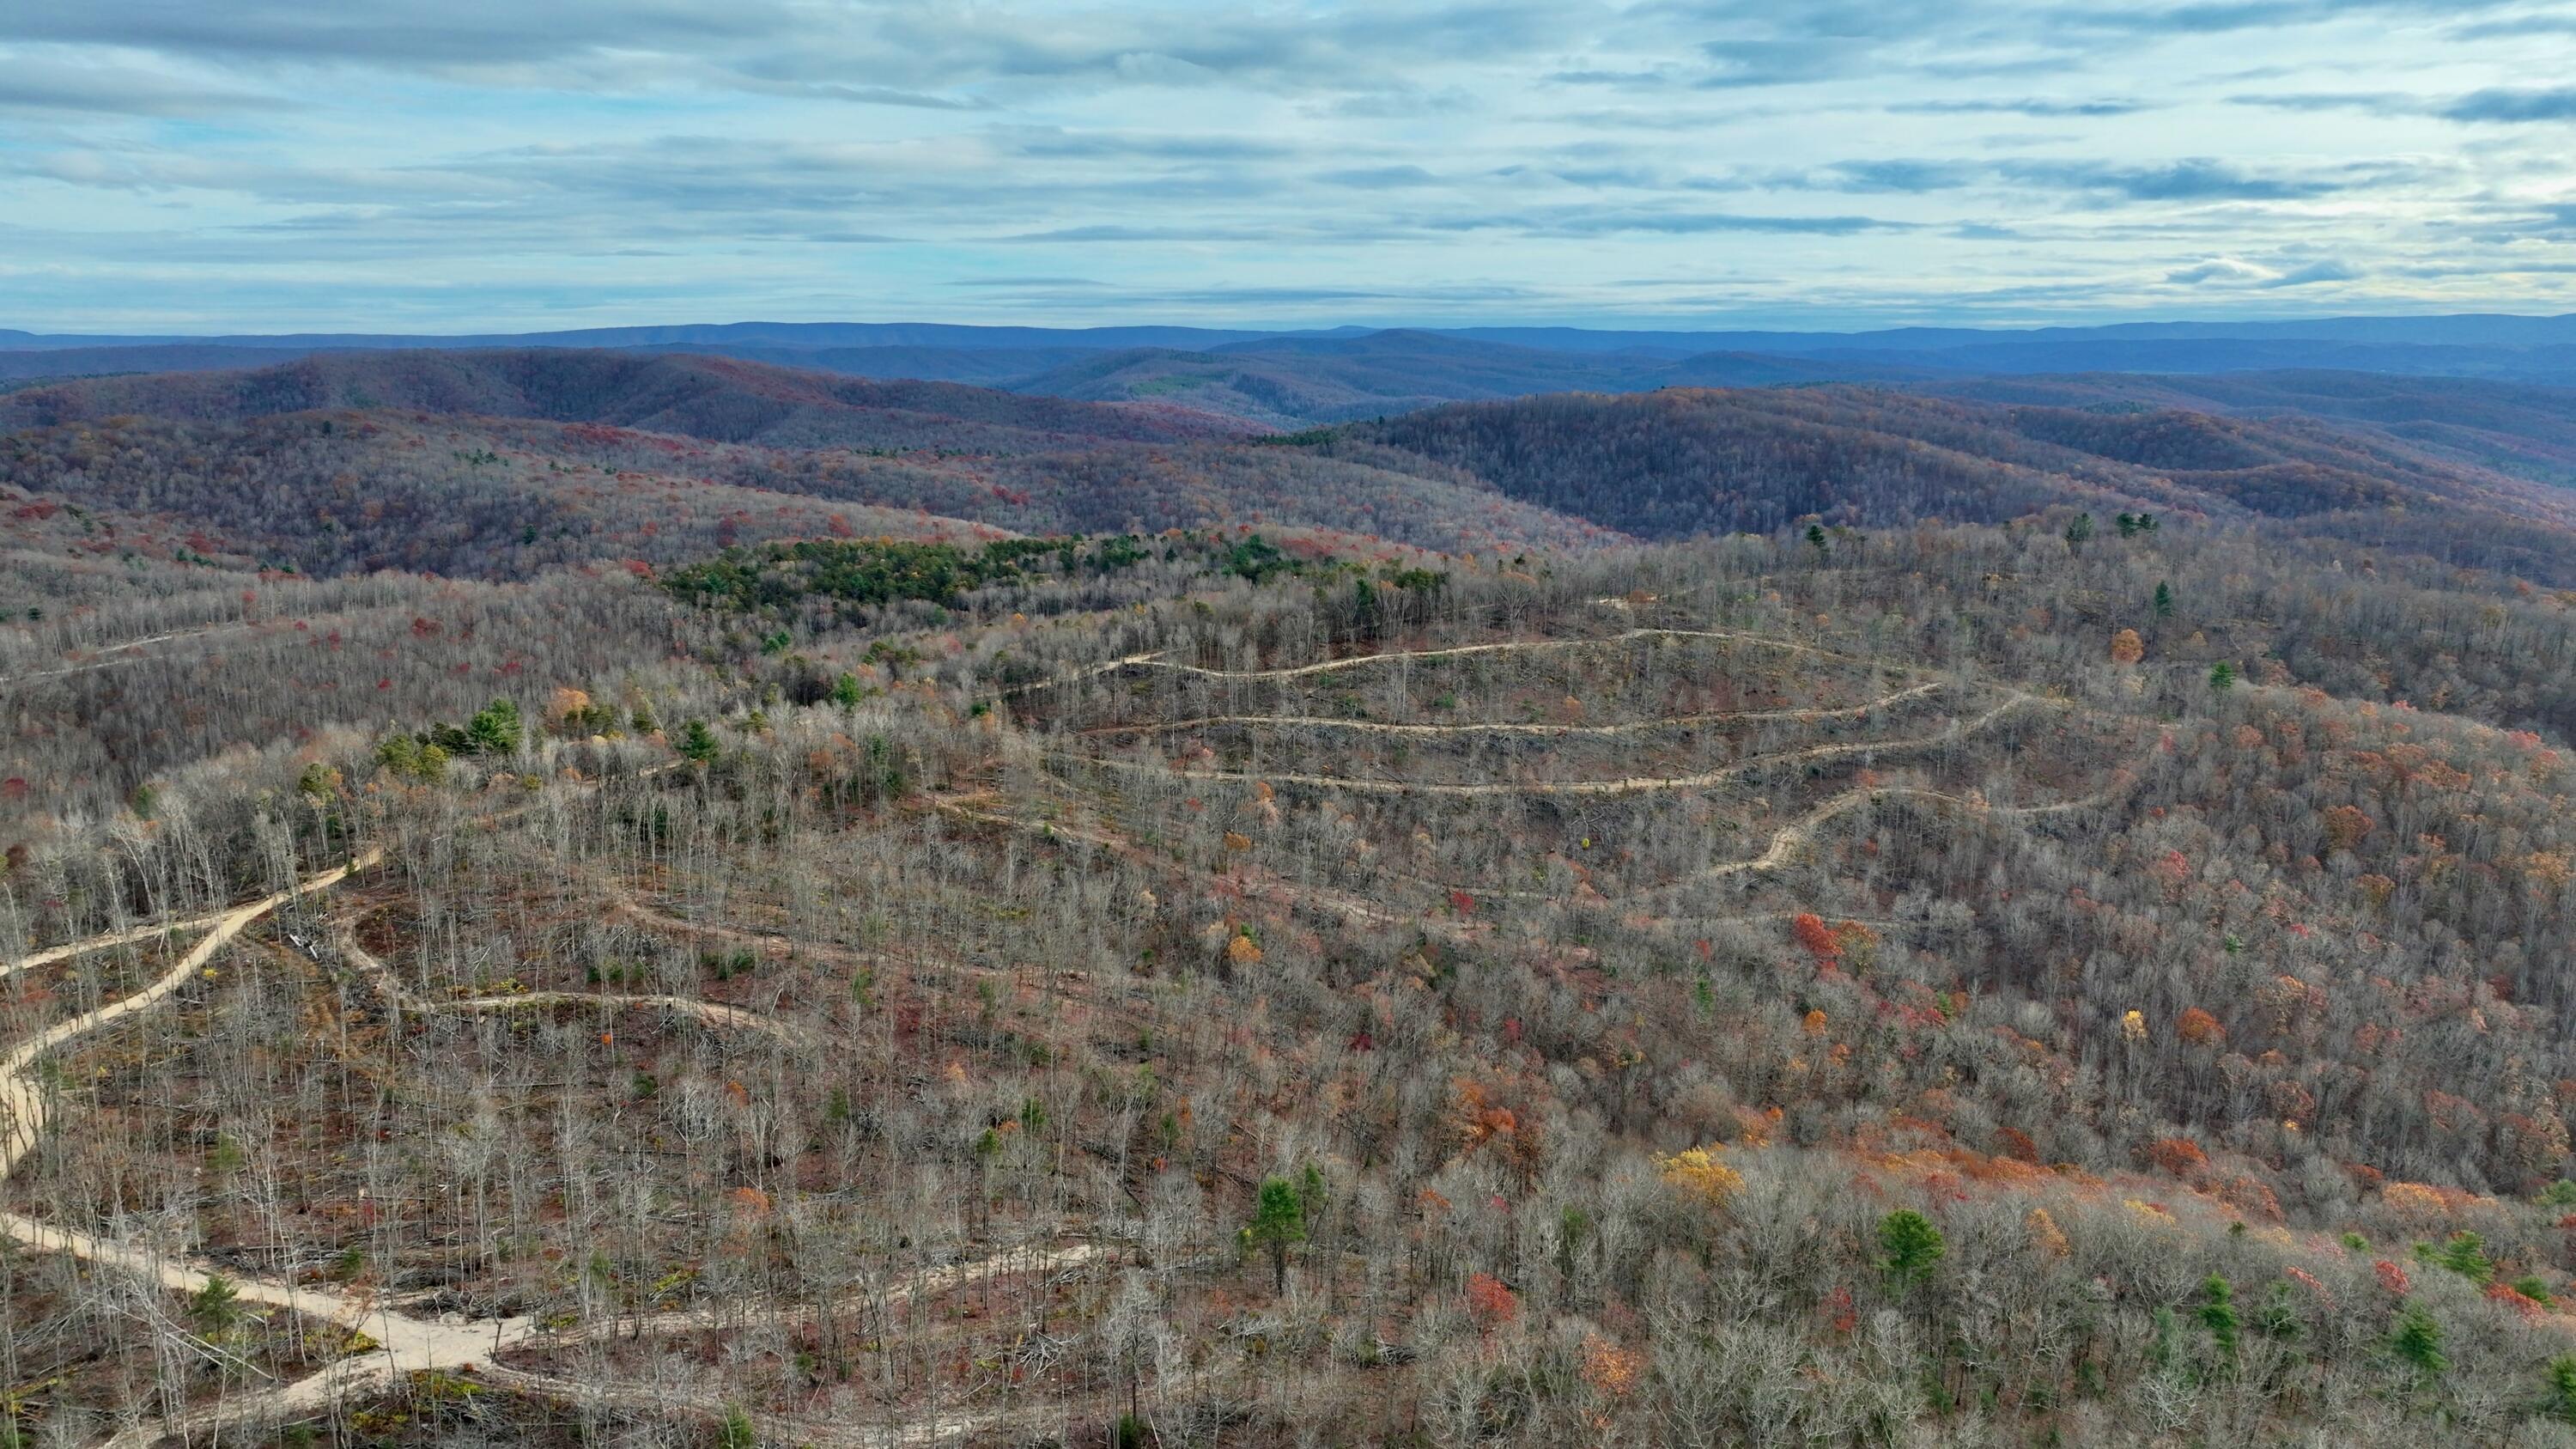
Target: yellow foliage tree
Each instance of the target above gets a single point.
(2045, 1234)
(2415, 1202)
(1610, 1370)
(1697, 1172)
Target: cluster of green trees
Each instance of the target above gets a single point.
(495, 731)
(879, 571)
(779, 576)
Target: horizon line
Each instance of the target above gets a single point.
(1304, 329)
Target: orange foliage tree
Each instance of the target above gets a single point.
(2177, 1155)
(1819, 939)
(2345, 827)
(1490, 1303)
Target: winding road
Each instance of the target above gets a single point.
(1630, 785)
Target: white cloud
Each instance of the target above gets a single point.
(269, 163)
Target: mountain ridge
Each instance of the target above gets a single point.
(1291, 378)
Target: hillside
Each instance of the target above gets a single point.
(1292, 381)
(546, 910)
(1287, 379)
(497, 464)
(1687, 461)
(716, 399)
(1667, 724)
(1696, 995)
(345, 491)
(2530, 431)
(22, 365)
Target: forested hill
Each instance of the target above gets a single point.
(493, 463)
(555, 899)
(1300, 378)
(1680, 462)
(713, 398)
(499, 464)
(2518, 428)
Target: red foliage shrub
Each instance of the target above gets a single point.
(1490, 1303)
(1838, 1312)
(1817, 937)
(2505, 1293)
(2179, 1156)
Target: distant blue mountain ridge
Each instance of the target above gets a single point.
(1295, 377)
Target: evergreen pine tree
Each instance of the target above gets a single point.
(1913, 1247)
(2417, 1338)
(1278, 1222)
(697, 742)
(2218, 1314)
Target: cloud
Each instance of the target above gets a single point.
(1610, 77)
(1378, 178)
(872, 95)
(1395, 103)
(2223, 17)
(2034, 107)
(2193, 179)
(1777, 62)
(900, 54)
(396, 35)
(1026, 282)
(2559, 220)
(2218, 269)
(2315, 272)
(2238, 272)
(1764, 43)
(2500, 104)
(2188, 180)
(1608, 221)
(1114, 233)
(2382, 103)
(1900, 175)
(38, 85)
(1304, 296)
(1055, 143)
(2517, 27)
(832, 157)
(2553, 104)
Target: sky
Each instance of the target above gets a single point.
(201, 166)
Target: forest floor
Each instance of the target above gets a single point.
(509, 1351)
(398, 1343)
